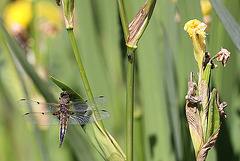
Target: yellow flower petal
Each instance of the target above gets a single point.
(18, 12)
(206, 7)
(195, 24)
(196, 31)
(50, 12)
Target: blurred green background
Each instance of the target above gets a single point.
(164, 62)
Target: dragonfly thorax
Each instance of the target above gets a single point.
(63, 108)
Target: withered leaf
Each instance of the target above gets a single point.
(204, 95)
(202, 155)
(195, 128)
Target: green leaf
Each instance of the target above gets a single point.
(102, 142)
(207, 73)
(229, 23)
(73, 95)
(213, 116)
(216, 117)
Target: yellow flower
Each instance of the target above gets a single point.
(195, 25)
(48, 11)
(49, 17)
(18, 13)
(196, 31)
(206, 7)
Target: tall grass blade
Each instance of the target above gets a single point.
(229, 23)
(18, 52)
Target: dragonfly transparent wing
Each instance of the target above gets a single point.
(85, 117)
(38, 106)
(88, 104)
(41, 118)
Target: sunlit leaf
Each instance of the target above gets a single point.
(73, 95)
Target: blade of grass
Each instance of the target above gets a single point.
(18, 52)
(9, 46)
(229, 23)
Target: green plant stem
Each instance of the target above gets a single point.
(130, 86)
(123, 19)
(80, 67)
(79, 63)
(130, 105)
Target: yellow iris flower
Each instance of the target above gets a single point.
(196, 31)
(18, 12)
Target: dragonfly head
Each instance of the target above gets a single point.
(64, 97)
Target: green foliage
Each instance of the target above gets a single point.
(73, 95)
(164, 59)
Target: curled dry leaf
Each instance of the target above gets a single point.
(222, 105)
(195, 128)
(191, 93)
(138, 25)
(223, 56)
(191, 96)
(201, 156)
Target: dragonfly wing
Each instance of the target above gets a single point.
(96, 102)
(38, 106)
(42, 118)
(88, 104)
(87, 116)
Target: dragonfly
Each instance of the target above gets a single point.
(64, 113)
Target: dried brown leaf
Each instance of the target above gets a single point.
(195, 128)
(202, 155)
(138, 25)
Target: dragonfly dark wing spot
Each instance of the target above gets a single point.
(41, 118)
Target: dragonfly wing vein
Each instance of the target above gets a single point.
(41, 118)
(87, 117)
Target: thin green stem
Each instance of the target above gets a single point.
(79, 63)
(130, 105)
(80, 67)
(130, 86)
(123, 19)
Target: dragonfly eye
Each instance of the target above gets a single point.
(64, 94)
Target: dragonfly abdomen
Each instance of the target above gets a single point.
(63, 127)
